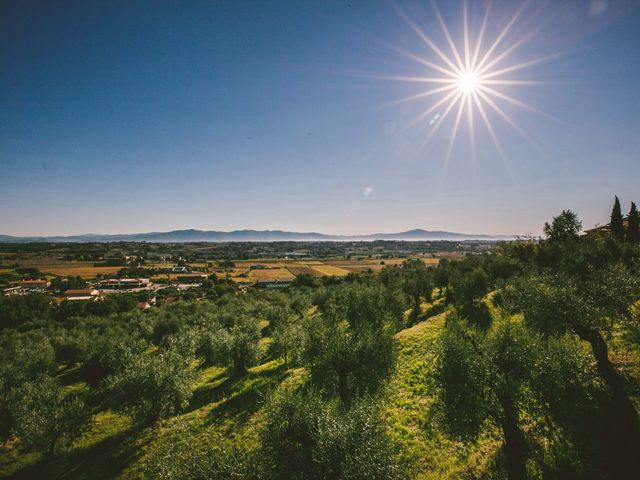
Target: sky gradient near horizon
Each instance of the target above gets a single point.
(122, 117)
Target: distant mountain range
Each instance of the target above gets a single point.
(178, 236)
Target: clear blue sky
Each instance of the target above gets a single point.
(140, 116)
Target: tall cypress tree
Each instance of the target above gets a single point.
(616, 225)
(633, 231)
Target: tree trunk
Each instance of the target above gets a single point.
(343, 387)
(515, 445)
(625, 434)
(607, 371)
(415, 311)
(238, 367)
(307, 444)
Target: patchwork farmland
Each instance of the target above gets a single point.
(187, 265)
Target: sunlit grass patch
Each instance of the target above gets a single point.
(429, 453)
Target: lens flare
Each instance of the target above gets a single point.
(468, 76)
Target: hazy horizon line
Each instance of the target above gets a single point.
(259, 230)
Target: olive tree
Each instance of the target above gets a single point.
(44, 418)
(212, 345)
(287, 339)
(108, 354)
(417, 284)
(23, 357)
(591, 309)
(152, 385)
(243, 343)
(468, 287)
(302, 437)
(483, 377)
(350, 348)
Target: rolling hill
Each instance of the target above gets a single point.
(191, 235)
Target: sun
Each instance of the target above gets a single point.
(468, 82)
(469, 76)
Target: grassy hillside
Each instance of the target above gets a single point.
(430, 454)
(225, 408)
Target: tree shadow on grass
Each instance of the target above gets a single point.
(436, 308)
(103, 460)
(210, 393)
(238, 396)
(478, 315)
(71, 375)
(239, 408)
(234, 385)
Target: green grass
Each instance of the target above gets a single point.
(428, 452)
(222, 406)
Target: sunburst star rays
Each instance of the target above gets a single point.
(467, 77)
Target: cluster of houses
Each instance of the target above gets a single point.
(105, 286)
(24, 287)
(95, 292)
(182, 281)
(101, 287)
